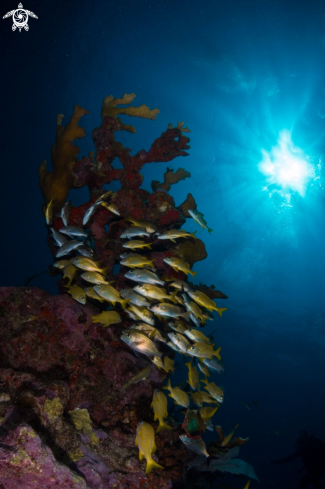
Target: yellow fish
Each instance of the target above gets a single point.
(154, 292)
(228, 437)
(69, 272)
(61, 264)
(159, 406)
(204, 369)
(203, 350)
(145, 439)
(142, 375)
(94, 278)
(87, 264)
(197, 336)
(107, 317)
(215, 391)
(135, 244)
(159, 363)
(205, 301)
(193, 376)
(92, 294)
(111, 207)
(179, 264)
(77, 293)
(180, 397)
(150, 227)
(200, 397)
(136, 262)
(110, 294)
(247, 485)
(169, 364)
(207, 412)
(173, 234)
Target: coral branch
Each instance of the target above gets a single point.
(170, 178)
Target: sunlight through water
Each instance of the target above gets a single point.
(287, 166)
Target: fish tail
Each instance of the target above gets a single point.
(163, 426)
(192, 273)
(151, 464)
(147, 245)
(221, 310)
(172, 296)
(193, 234)
(210, 230)
(103, 270)
(124, 302)
(151, 263)
(217, 353)
(168, 386)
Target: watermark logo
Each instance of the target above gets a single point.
(20, 18)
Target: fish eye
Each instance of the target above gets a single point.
(141, 422)
(158, 391)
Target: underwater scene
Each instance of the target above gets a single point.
(162, 293)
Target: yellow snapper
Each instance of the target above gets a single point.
(193, 308)
(141, 343)
(159, 406)
(193, 376)
(61, 264)
(87, 264)
(107, 317)
(199, 397)
(205, 301)
(179, 264)
(142, 375)
(197, 336)
(69, 272)
(215, 391)
(154, 292)
(142, 313)
(180, 341)
(145, 439)
(159, 363)
(111, 207)
(203, 350)
(94, 278)
(207, 412)
(168, 310)
(110, 294)
(77, 293)
(178, 326)
(173, 234)
(92, 294)
(135, 244)
(153, 333)
(180, 397)
(136, 299)
(150, 227)
(135, 262)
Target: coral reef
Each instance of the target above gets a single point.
(64, 418)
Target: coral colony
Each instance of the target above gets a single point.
(82, 377)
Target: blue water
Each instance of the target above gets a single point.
(238, 73)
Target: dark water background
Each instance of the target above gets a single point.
(238, 73)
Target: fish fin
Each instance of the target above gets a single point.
(210, 230)
(217, 353)
(193, 273)
(193, 234)
(136, 441)
(172, 296)
(124, 302)
(155, 416)
(141, 455)
(151, 263)
(147, 245)
(163, 426)
(173, 240)
(221, 310)
(151, 464)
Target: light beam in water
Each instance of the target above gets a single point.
(286, 165)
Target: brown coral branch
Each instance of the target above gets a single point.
(188, 204)
(170, 178)
(56, 185)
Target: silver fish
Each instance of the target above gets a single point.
(141, 343)
(143, 313)
(178, 326)
(89, 213)
(168, 310)
(142, 375)
(214, 364)
(173, 347)
(134, 231)
(65, 212)
(136, 298)
(74, 231)
(68, 247)
(85, 250)
(196, 321)
(149, 330)
(128, 255)
(143, 276)
(181, 285)
(180, 341)
(58, 237)
(196, 445)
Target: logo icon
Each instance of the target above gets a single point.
(20, 18)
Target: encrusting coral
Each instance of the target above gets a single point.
(61, 370)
